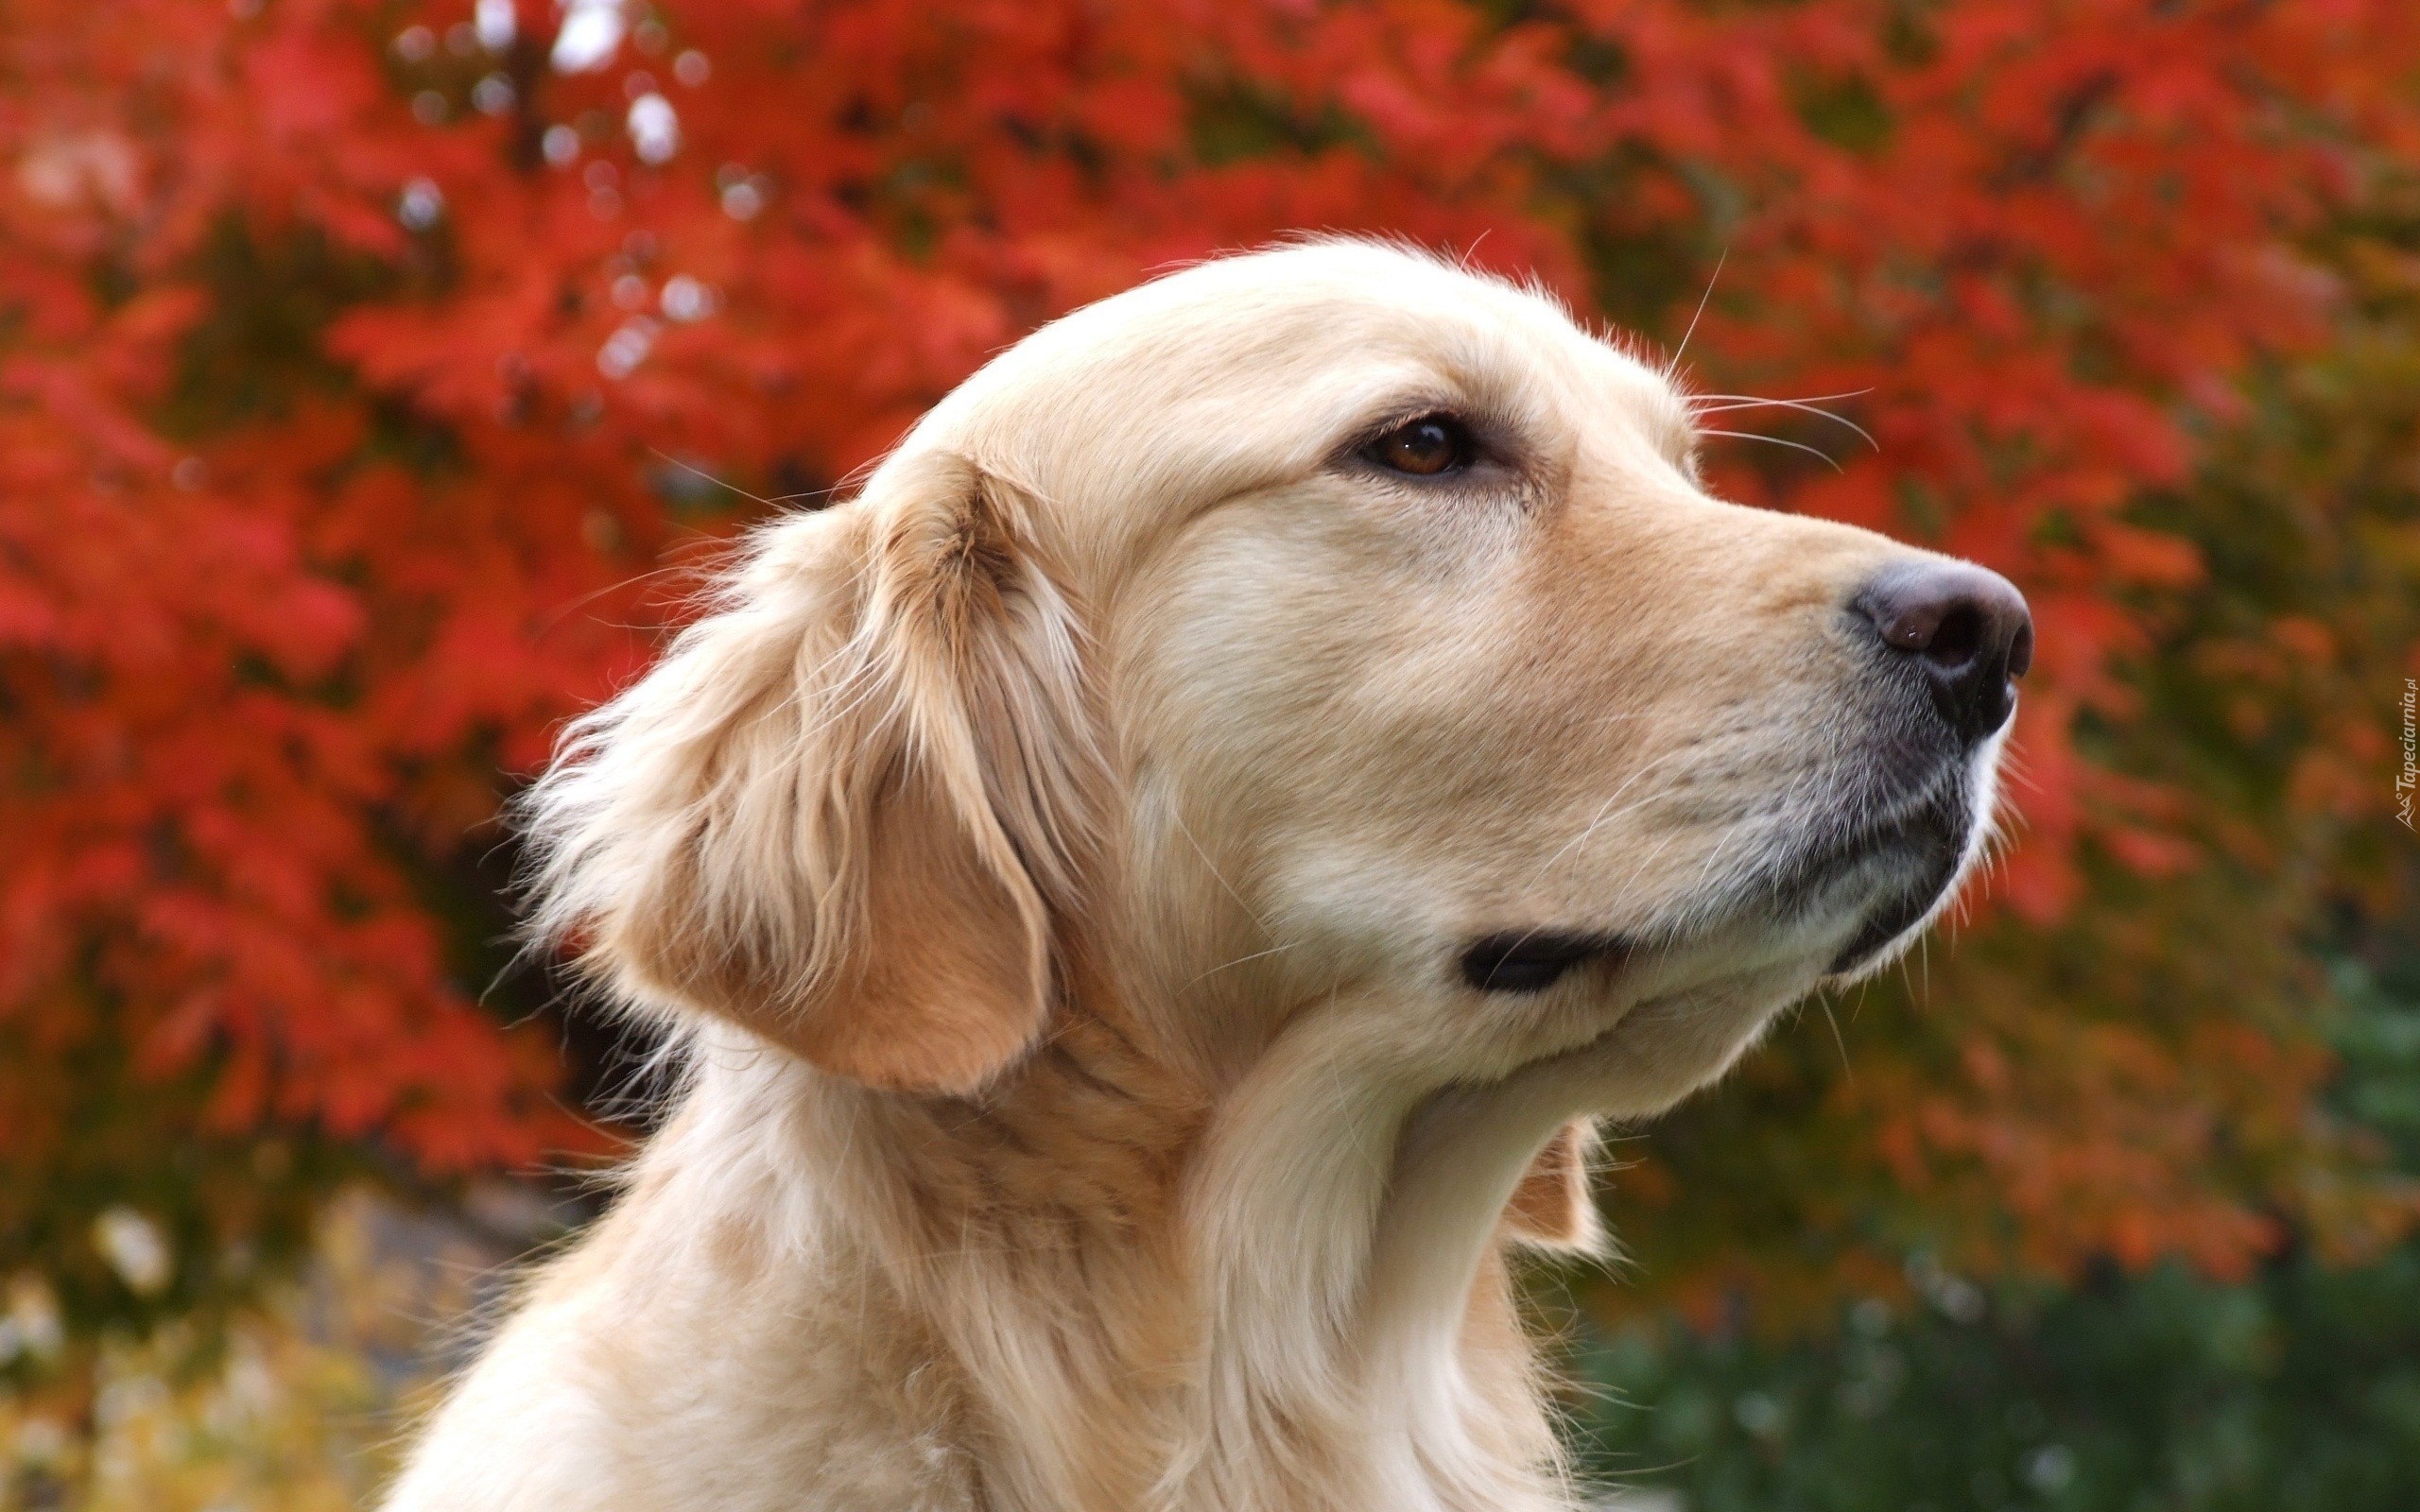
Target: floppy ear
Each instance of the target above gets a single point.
(846, 806)
(1552, 1207)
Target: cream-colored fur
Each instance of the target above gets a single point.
(1055, 861)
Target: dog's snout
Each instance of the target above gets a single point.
(1965, 627)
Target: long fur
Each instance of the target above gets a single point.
(1052, 865)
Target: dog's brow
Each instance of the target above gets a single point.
(1670, 423)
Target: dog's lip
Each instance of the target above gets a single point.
(1931, 820)
(1530, 960)
(1926, 835)
(1932, 839)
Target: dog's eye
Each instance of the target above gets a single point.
(1423, 447)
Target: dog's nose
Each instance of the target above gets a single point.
(1966, 628)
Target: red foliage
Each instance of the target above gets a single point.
(282, 585)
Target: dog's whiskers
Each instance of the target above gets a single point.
(1682, 350)
(698, 471)
(1734, 402)
(1187, 830)
(1775, 440)
(1238, 961)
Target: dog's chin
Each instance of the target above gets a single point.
(1847, 900)
(1686, 990)
(1841, 907)
(1899, 876)
(1895, 923)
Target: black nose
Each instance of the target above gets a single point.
(1966, 628)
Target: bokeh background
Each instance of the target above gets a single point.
(375, 376)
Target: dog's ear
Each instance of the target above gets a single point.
(1552, 1206)
(847, 805)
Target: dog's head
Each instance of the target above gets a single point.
(1323, 632)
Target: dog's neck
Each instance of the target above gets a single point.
(1161, 1293)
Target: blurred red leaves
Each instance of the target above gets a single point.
(346, 345)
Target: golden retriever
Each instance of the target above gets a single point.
(1151, 891)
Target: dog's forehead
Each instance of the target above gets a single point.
(1244, 370)
(1303, 333)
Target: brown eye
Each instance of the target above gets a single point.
(1423, 448)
